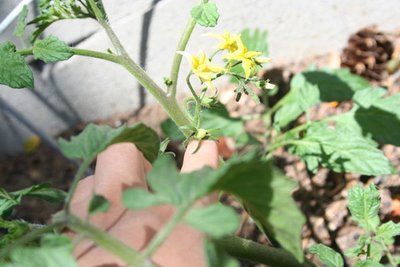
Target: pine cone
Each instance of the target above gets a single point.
(367, 53)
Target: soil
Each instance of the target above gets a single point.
(321, 196)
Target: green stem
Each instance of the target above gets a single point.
(81, 52)
(106, 241)
(254, 252)
(388, 254)
(78, 176)
(162, 235)
(101, 18)
(196, 119)
(170, 105)
(31, 236)
(176, 63)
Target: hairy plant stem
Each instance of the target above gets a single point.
(106, 241)
(170, 105)
(31, 236)
(78, 176)
(162, 235)
(388, 254)
(255, 252)
(176, 63)
(196, 120)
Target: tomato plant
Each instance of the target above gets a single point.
(348, 142)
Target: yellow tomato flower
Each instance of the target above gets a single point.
(228, 40)
(203, 68)
(248, 58)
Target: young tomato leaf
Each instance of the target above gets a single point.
(387, 231)
(98, 204)
(42, 257)
(42, 191)
(327, 256)
(14, 72)
(359, 249)
(172, 131)
(216, 256)
(96, 138)
(364, 206)
(374, 116)
(335, 84)
(367, 263)
(340, 150)
(12, 230)
(302, 96)
(206, 14)
(137, 199)
(218, 118)
(20, 29)
(57, 240)
(51, 49)
(215, 220)
(266, 194)
(178, 189)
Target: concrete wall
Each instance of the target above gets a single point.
(87, 89)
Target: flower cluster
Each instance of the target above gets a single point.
(237, 53)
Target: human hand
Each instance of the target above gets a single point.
(123, 166)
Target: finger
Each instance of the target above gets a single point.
(207, 155)
(120, 166)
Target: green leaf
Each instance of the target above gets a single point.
(302, 96)
(20, 29)
(218, 118)
(178, 189)
(359, 249)
(52, 240)
(14, 72)
(256, 40)
(327, 256)
(144, 138)
(340, 150)
(96, 138)
(136, 199)
(335, 84)
(374, 116)
(364, 206)
(387, 231)
(43, 191)
(11, 231)
(368, 263)
(42, 257)
(170, 130)
(51, 49)
(98, 204)
(365, 98)
(206, 14)
(217, 257)
(51, 11)
(266, 194)
(215, 220)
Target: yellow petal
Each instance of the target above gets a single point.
(263, 59)
(247, 66)
(251, 54)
